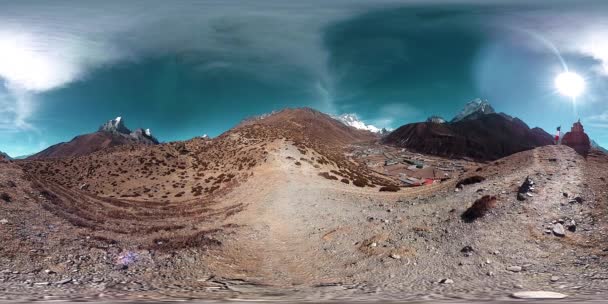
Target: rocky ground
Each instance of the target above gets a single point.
(300, 236)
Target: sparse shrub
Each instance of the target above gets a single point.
(345, 180)
(197, 240)
(5, 197)
(389, 188)
(470, 180)
(328, 176)
(359, 182)
(479, 208)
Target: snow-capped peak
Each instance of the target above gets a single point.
(148, 132)
(473, 109)
(115, 126)
(353, 120)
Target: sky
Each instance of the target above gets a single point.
(188, 68)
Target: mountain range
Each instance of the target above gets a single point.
(353, 120)
(4, 155)
(595, 145)
(110, 134)
(477, 132)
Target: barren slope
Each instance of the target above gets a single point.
(277, 226)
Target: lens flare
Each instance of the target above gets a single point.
(570, 84)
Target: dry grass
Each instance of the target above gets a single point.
(359, 182)
(328, 176)
(389, 188)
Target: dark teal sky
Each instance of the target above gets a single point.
(187, 68)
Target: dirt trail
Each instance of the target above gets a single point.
(303, 230)
(278, 236)
(301, 235)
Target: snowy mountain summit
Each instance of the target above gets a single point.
(352, 120)
(474, 109)
(117, 127)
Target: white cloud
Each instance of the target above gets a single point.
(599, 120)
(600, 117)
(45, 45)
(394, 115)
(48, 45)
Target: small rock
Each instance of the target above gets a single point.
(571, 226)
(514, 268)
(554, 278)
(446, 281)
(374, 244)
(467, 250)
(43, 284)
(558, 230)
(3, 221)
(490, 274)
(538, 295)
(64, 281)
(395, 256)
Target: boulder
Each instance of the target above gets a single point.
(558, 230)
(577, 139)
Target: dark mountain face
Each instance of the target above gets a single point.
(112, 133)
(486, 137)
(4, 156)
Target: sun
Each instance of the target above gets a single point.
(570, 84)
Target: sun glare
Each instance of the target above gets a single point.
(570, 84)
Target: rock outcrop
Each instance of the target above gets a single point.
(577, 139)
(473, 110)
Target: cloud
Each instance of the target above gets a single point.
(599, 120)
(394, 115)
(48, 45)
(45, 46)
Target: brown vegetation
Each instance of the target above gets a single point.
(470, 180)
(328, 176)
(479, 208)
(389, 188)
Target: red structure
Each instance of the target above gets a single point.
(577, 139)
